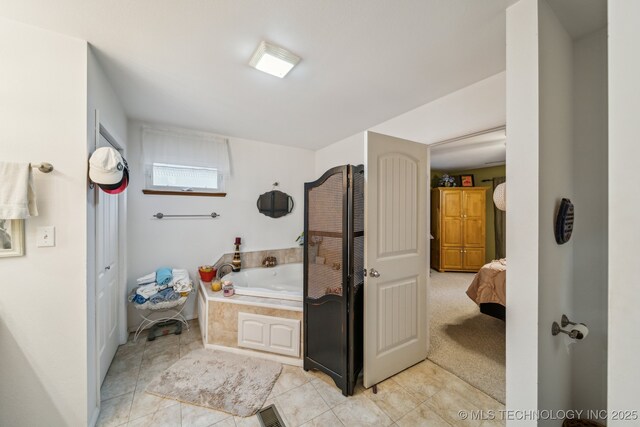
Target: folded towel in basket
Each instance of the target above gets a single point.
(181, 281)
(165, 295)
(163, 276)
(149, 278)
(148, 290)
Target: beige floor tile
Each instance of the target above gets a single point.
(327, 419)
(166, 417)
(422, 380)
(448, 405)
(164, 358)
(290, 377)
(197, 416)
(229, 422)
(393, 399)
(145, 403)
(129, 363)
(422, 416)
(359, 411)
(300, 405)
(161, 344)
(188, 336)
(251, 421)
(188, 348)
(115, 412)
(119, 383)
(329, 392)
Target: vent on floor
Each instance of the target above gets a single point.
(269, 417)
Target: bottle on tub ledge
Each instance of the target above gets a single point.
(237, 262)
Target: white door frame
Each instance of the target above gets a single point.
(102, 131)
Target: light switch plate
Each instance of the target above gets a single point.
(46, 236)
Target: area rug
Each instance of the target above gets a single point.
(465, 342)
(218, 380)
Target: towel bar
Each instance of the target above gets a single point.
(43, 167)
(160, 215)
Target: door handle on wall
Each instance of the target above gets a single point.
(374, 273)
(108, 267)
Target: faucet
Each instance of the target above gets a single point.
(226, 264)
(269, 261)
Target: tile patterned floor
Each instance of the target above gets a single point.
(423, 395)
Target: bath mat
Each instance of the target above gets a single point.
(218, 380)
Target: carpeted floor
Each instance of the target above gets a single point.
(464, 341)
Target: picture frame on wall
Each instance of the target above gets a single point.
(466, 181)
(11, 237)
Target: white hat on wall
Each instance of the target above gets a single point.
(106, 166)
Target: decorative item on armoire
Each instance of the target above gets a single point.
(447, 180)
(237, 262)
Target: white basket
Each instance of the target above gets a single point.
(164, 305)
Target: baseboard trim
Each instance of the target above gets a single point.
(274, 357)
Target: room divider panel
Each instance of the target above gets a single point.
(334, 274)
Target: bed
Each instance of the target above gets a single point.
(488, 288)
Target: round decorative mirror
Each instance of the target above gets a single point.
(275, 204)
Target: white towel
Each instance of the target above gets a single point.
(148, 290)
(149, 278)
(17, 191)
(181, 281)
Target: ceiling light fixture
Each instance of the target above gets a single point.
(273, 59)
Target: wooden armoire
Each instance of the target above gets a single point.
(458, 226)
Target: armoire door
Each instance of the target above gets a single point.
(473, 258)
(473, 218)
(451, 259)
(452, 213)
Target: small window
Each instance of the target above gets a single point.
(184, 178)
(179, 161)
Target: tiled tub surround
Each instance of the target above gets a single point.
(218, 318)
(254, 259)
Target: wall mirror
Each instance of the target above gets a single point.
(275, 204)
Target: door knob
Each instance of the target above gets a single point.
(108, 267)
(374, 273)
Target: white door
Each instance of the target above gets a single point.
(107, 277)
(395, 327)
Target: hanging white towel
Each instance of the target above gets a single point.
(17, 191)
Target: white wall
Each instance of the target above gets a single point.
(349, 151)
(188, 243)
(101, 96)
(43, 296)
(522, 176)
(555, 174)
(474, 108)
(624, 207)
(590, 235)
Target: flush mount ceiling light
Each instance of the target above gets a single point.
(273, 59)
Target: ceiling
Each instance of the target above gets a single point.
(363, 61)
(580, 17)
(480, 151)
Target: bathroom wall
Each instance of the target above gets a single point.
(188, 243)
(350, 150)
(556, 180)
(43, 295)
(476, 107)
(522, 176)
(590, 236)
(101, 97)
(624, 206)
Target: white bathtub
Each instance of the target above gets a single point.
(283, 281)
